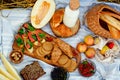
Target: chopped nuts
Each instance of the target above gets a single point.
(16, 56)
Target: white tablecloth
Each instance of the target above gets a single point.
(11, 20)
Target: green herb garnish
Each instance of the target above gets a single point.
(19, 41)
(21, 31)
(23, 49)
(84, 62)
(42, 35)
(30, 27)
(30, 43)
(92, 71)
(34, 37)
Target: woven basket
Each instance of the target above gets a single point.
(92, 20)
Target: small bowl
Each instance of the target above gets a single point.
(57, 74)
(87, 68)
(16, 56)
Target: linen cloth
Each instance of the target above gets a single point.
(11, 20)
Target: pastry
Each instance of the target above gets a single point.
(65, 21)
(101, 18)
(40, 45)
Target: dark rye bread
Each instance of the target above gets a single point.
(32, 71)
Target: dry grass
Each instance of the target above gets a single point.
(8, 4)
(114, 1)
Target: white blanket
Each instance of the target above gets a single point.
(11, 20)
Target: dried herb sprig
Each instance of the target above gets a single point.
(8, 4)
(114, 1)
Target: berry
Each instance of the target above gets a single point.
(110, 45)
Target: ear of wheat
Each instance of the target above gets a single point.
(114, 1)
(8, 4)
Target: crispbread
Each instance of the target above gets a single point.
(47, 46)
(63, 59)
(68, 64)
(56, 53)
(73, 67)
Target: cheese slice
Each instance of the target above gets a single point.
(6, 74)
(9, 67)
(2, 77)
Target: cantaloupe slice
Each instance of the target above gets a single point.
(9, 67)
(42, 12)
(6, 74)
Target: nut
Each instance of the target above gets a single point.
(16, 56)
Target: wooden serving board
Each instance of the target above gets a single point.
(39, 44)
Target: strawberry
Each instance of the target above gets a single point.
(110, 45)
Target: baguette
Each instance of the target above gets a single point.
(114, 32)
(110, 20)
(111, 14)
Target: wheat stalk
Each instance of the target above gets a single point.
(8, 4)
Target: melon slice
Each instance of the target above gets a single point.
(42, 12)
